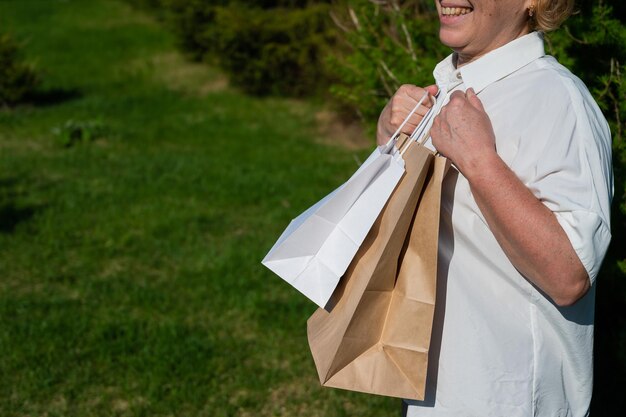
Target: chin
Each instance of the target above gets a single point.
(451, 39)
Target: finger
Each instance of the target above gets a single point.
(432, 89)
(404, 108)
(436, 124)
(416, 93)
(474, 100)
(398, 118)
(443, 113)
(435, 132)
(408, 104)
(458, 95)
(409, 128)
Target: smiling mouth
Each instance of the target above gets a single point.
(455, 11)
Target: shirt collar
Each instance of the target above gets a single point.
(494, 65)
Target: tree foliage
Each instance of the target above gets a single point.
(389, 43)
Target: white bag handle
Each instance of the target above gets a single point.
(422, 131)
(396, 134)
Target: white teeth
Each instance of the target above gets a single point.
(455, 11)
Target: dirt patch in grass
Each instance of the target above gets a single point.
(296, 398)
(177, 73)
(22, 145)
(121, 14)
(329, 127)
(347, 134)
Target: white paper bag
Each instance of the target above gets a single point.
(316, 248)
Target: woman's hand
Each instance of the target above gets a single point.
(463, 132)
(525, 228)
(399, 107)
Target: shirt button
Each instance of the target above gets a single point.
(458, 75)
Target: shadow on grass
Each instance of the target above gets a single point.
(52, 96)
(12, 211)
(12, 215)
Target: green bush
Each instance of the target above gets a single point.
(389, 44)
(154, 5)
(273, 4)
(265, 46)
(74, 132)
(17, 79)
(193, 23)
(274, 51)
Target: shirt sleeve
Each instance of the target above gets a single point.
(589, 235)
(570, 172)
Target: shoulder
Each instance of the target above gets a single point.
(554, 86)
(578, 100)
(549, 96)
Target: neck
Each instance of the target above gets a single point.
(461, 58)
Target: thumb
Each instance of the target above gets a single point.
(432, 89)
(474, 100)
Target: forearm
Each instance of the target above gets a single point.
(527, 231)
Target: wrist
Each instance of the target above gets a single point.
(483, 166)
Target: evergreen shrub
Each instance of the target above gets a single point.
(17, 78)
(277, 51)
(193, 22)
(153, 5)
(266, 47)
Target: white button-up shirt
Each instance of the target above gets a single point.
(500, 347)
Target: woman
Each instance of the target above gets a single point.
(525, 214)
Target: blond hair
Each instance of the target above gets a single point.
(549, 14)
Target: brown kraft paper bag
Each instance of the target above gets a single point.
(376, 337)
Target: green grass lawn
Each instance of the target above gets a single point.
(130, 275)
